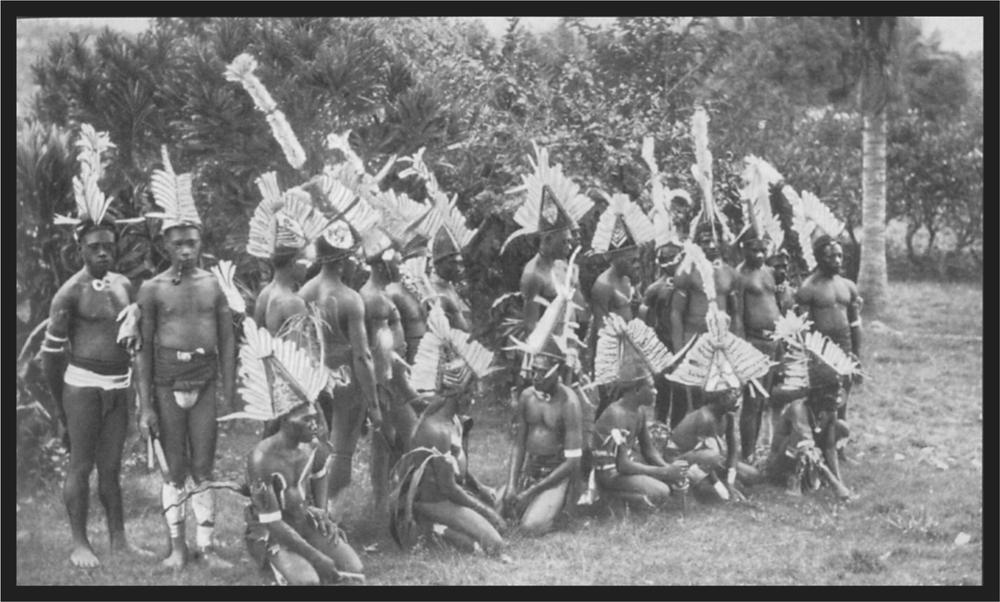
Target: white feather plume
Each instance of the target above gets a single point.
(225, 273)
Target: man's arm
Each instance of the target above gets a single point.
(734, 303)
(517, 449)
(530, 287)
(364, 369)
(678, 306)
(454, 312)
(801, 300)
(600, 298)
(227, 346)
(854, 319)
(444, 476)
(144, 359)
(53, 351)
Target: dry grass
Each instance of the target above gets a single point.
(917, 434)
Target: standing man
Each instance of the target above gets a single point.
(622, 229)
(281, 229)
(758, 294)
(449, 270)
(188, 328)
(346, 344)
(407, 295)
(832, 303)
(91, 392)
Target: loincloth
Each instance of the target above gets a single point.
(102, 374)
(761, 342)
(262, 548)
(183, 370)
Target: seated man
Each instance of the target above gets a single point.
(289, 530)
(434, 494)
(547, 447)
(808, 434)
(627, 464)
(718, 364)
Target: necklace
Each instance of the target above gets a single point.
(100, 284)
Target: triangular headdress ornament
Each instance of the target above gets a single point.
(623, 225)
(276, 375)
(551, 201)
(447, 357)
(812, 359)
(628, 351)
(172, 193)
(718, 360)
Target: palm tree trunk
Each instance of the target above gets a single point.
(873, 280)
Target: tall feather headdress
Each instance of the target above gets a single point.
(761, 223)
(91, 203)
(622, 225)
(709, 215)
(718, 360)
(551, 201)
(627, 351)
(282, 220)
(695, 260)
(172, 193)
(225, 273)
(443, 213)
(811, 219)
(241, 71)
(276, 375)
(447, 356)
(662, 213)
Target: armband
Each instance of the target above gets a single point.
(322, 473)
(856, 323)
(573, 453)
(731, 476)
(46, 349)
(270, 517)
(53, 344)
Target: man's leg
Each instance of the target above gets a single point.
(640, 489)
(290, 568)
(173, 437)
(83, 421)
(203, 432)
(750, 417)
(110, 445)
(465, 521)
(541, 512)
(346, 419)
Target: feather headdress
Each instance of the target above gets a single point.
(810, 220)
(413, 276)
(443, 213)
(556, 324)
(241, 71)
(446, 356)
(282, 220)
(276, 375)
(718, 360)
(709, 215)
(662, 212)
(761, 223)
(627, 351)
(551, 201)
(695, 260)
(621, 226)
(91, 203)
(352, 172)
(172, 193)
(812, 359)
(225, 273)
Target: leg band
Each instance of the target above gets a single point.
(173, 511)
(203, 505)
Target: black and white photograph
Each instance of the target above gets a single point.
(502, 301)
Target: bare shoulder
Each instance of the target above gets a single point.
(531, 280)
(149, 288)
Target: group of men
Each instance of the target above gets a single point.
(641, 390)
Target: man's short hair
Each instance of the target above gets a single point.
(821, 243)
(86, 227)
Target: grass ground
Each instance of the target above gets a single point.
(917, 434)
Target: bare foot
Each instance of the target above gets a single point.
(83, 557)
(177, 559)
(121, 547)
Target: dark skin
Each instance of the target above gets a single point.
(87, 317)
(445, 497)
(613, 291)
(412, 313)
(796, 422)
(689, 305)
(645, 476)
(184, 308)
(307, 555)
(655, 308)
(758, 298)
(717, 418)
(387, 341)
(449, 270)
(784, 290)
(343, 309)
(542, 272)
(547, 421)
(277, 301)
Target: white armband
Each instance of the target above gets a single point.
(573, 453)
(270, 517)
(856, 323)
(731, 476)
